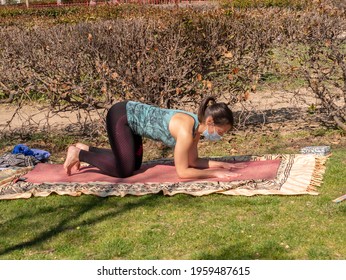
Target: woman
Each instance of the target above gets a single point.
(127, 122)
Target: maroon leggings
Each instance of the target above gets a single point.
(127, 150)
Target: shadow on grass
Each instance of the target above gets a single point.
(65, 223)
(245, 251)
(286, 115)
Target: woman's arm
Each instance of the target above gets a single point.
(197, 162)
(186, 171)
(186, 159)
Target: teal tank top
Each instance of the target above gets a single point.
(152, 122)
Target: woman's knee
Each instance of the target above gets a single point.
(117, 108)
(123, 173)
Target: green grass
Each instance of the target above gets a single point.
(180, 227)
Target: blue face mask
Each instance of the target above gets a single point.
(211, 137)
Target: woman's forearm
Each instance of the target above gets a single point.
(196, 173)
(206, 163)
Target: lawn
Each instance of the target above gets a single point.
(180, 227)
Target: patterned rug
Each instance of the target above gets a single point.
(293, 175)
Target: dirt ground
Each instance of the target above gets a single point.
(263, 107)
(276, 120)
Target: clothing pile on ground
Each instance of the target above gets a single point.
(23, 156)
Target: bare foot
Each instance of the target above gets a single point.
(82, 146)
(72, 159)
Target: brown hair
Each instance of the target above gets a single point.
(220, 112)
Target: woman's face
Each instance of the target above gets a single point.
(220, 129)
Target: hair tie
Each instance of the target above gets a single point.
(211, 101)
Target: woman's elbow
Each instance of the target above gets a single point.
(189, 173)
(182, 174)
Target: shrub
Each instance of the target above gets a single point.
(172, 57)
(318, 50)
(177, 58)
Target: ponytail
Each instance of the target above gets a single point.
(220, 112)
(203, 107)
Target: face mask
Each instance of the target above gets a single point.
(211, 137)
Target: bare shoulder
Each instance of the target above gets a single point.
(181, 123)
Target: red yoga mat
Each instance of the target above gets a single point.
(160, 173)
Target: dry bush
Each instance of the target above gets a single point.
(317, 52)
(169, 60)
(173, 58)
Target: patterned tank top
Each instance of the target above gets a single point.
(152, 122)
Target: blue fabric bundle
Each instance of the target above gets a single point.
(22, 149)
(40, 155)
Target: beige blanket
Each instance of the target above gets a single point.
(297, 174)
